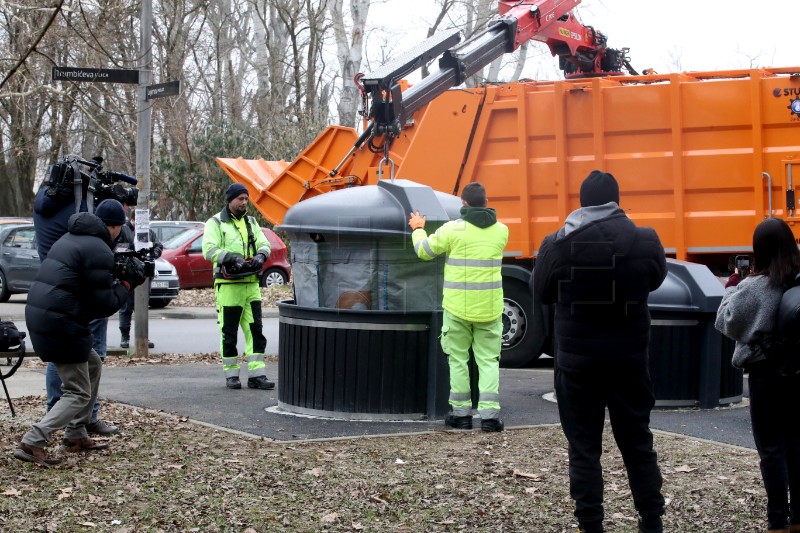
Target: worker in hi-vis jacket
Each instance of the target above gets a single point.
(234, 243)
(472, 301)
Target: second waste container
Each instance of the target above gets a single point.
(690, 361)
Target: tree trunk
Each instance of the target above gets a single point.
(349, 51)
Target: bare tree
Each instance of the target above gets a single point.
(349, 53)
(255, 82)
(445, 7)
(39, 120)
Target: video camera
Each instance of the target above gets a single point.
(66, 179)
(145, 255)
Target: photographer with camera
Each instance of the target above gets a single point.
(66, 190)
(75, 284)
(125, 241)
(234, 243)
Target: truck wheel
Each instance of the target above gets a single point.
(523, 329)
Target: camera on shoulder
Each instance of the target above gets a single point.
(74, 177)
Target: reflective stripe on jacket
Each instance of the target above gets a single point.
(473, 280)
(225, 235)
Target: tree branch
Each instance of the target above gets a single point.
(34, 45)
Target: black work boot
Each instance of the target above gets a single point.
(651, 524)
(458, 422)
(233, 382)
(492, 424)
(126, 338)
(260, 382)
(591, 527)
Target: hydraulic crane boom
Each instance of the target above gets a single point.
(581, 49)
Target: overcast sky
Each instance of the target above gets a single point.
(669, 36)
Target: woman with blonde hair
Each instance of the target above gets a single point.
(748, 314)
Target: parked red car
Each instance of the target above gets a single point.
(185, 251)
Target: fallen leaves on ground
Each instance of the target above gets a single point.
(270, 296)
(165, 474)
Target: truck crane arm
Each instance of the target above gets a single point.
(581, 49)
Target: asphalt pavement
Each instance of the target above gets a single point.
(198, 391)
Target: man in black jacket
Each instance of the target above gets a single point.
(75, 284)
(598, 270)
(126, 241)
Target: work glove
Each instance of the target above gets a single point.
(416, 221)
(132, 275)
(234, 262)
(257, 262)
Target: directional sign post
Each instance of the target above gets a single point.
(96, 75)
(160, 90)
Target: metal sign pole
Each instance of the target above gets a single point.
(143, 125)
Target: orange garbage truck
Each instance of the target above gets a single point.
(702, 157)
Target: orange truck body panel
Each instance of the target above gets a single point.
(692, 153)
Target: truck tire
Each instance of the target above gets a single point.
(523, 329)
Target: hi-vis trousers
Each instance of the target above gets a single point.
(485, 339)
(239, 304)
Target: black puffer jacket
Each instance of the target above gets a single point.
(599, 276)
(74, 285)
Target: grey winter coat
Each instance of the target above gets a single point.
(747, 315)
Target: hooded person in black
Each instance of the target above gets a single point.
(75, 284)
(598, 270)
(51, 214)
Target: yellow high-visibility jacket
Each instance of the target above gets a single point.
(225, 234)
(473, 281)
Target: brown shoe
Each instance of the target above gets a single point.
(34, 454)
(83, 444)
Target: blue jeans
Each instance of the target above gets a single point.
(52, 381)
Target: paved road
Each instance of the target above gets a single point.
(199, 335)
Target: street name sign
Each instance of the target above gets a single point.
(96, 75)
(160, 90)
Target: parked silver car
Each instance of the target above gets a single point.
(19, 264)
(166, 229)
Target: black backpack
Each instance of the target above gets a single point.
(785, 346)
(11, 339)
(10, 336)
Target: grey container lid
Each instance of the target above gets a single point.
(689, 287)
(380, 210)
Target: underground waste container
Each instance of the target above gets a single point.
(690, 361)
(360, 339)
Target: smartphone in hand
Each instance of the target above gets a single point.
(742, 263)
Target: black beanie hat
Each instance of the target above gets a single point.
(599, 188)
(111, 212)
(234, 190)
